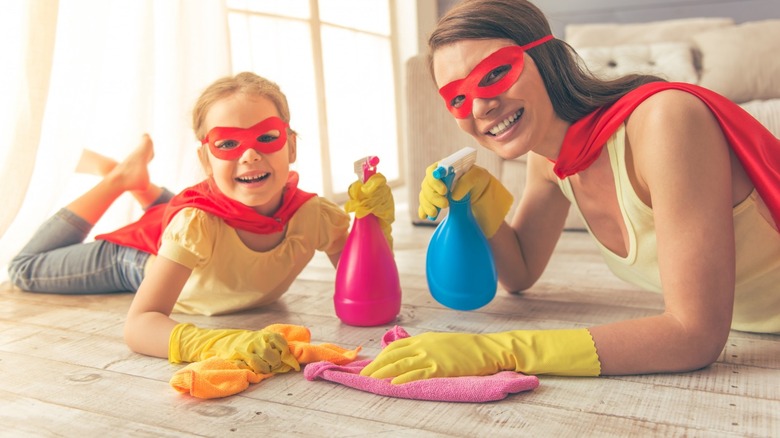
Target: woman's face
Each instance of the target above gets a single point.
(254, 178)
(511, 123)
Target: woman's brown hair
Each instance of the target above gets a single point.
(574, 91)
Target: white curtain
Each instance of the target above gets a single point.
(97, 74)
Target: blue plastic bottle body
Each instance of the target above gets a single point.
(459, 265)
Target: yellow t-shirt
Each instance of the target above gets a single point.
(757, 295)
(227, 276)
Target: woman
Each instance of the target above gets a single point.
(671, 180)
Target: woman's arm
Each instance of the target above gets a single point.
(148, 326)
(522, 250)
(683, 171)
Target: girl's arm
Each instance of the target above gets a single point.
(522, 250)
(148, 326)
(334, 258)
(683, 171)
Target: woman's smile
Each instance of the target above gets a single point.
(505, 125)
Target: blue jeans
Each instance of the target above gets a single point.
(56, 259)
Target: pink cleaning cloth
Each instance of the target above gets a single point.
(473, 389)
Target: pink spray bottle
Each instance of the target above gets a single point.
(367, 290)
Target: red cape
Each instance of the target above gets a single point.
(756, 147)
(145, 233)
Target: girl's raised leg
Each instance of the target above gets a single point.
(131, 174)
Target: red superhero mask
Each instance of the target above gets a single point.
(506, 62)
(266, 137)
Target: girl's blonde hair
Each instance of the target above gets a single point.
(246, 83)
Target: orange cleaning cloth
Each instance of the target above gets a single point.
(299, 338)
(213, 378)
(216, 377)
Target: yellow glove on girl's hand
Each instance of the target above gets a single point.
(490, 200)
(373, 197)
(557, 352)
(261, 351)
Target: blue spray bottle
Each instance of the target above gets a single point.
(460, 268)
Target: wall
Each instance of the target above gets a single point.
(562, 12)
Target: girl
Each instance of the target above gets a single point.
(235, 241)
(678, 185)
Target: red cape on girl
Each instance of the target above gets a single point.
(757, 149)
(145, 233)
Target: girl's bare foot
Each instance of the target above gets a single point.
(93, 163)
(133, 172)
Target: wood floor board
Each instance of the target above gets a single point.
(35, 418)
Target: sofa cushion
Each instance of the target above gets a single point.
(671, 61)
(767, 112)
(742, 62)
(613, 34)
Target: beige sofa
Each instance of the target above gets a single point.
(740, 61)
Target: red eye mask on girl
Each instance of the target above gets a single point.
(459, 95)
(266, 137)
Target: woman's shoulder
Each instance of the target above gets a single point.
(669, 133)
(669, 119)
(670, 107)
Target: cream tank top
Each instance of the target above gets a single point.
(757, 298)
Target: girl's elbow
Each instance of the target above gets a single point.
(706, 349)
(131, 336)
(702, 360)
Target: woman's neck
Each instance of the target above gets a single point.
(550, 146)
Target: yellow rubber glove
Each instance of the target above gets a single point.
(262, 351)
(373, 197)
(490, 200)
(556, 352)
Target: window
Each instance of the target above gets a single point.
(334, 61)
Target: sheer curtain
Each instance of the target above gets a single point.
(97, 74)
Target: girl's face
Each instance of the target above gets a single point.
(514, 121)
(254, 178)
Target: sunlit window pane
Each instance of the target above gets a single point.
(286, 8)
(360, 102)
(344, 44)
(368, 15)
(275, 49)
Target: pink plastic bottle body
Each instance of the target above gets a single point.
(368, 291)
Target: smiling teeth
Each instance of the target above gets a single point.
(252, 179)
(503, 126)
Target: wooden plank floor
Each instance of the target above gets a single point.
(65, 370)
